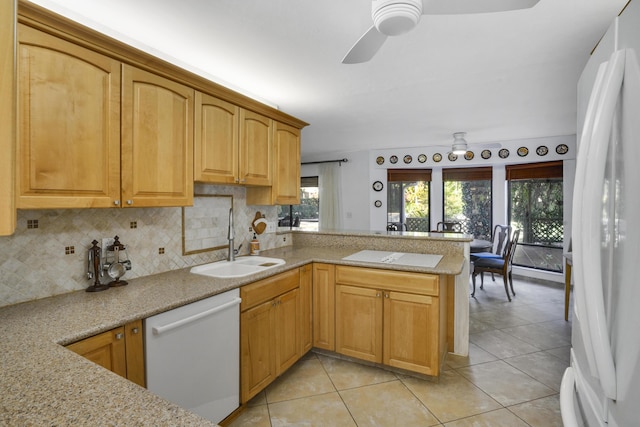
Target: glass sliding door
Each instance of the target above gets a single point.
(408, 199)
(536, 208)
(467, 200)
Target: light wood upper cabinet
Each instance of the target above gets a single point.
(68, 151)
(119, 350)
(256, 148)
(157, 140)
(7, 116)
(285, 189)
(81, 145)
(217, 128)
(232, 145)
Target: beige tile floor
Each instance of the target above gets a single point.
(518, 353)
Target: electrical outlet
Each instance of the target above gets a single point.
(271, 227)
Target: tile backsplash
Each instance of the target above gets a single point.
(47, 255)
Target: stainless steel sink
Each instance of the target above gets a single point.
(242, 266)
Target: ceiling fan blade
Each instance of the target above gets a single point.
(456, 7)
(367, 46)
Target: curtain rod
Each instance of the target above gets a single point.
(339, 161)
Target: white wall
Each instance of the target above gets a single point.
(358, 175)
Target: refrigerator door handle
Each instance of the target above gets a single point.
(580, 176)
(567, 391)
(592, 268)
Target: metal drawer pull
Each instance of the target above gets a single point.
(161, 329)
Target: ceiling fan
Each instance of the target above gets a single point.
(460, 146)
(395, 17)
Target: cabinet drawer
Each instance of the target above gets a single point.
(269, 288)
(402, 281)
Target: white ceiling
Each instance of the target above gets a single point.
(501, 76)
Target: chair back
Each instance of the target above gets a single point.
(450, 227)
(501, 237)
(511, 247)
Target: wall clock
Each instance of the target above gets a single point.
(378, 186)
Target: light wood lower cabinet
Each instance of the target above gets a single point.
(306, 307)
(272, 327)
(390, 317)
(324, 306)
(120, 350)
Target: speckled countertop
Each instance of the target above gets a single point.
(42, 383)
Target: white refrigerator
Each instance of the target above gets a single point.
(602, 385)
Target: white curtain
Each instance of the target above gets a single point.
(330, 196)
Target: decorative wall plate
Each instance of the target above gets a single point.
(523, 151)
(407, 159)
(422, 158)
(379, 160)
(437, 157)
(393, 159)
(469, 155)
(542, 150)
(377, 203)
(378, 186)
(562, 149)
(504, 153)
(486, 154)
(453, 157)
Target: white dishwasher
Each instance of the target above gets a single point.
(193, 355)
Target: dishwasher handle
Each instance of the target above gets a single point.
(170, 326)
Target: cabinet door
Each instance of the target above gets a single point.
(216, 140)
(106, 349)
(359, 322)
(324, 306)
(257, 349)
(286, 179)
(285, 189)
(306, 309)
(68, 154)
(7, 116)
(287, 330)
(157, 140)
(256, 149)
(411, 332)
(135, 352)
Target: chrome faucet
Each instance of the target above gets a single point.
(231, 237)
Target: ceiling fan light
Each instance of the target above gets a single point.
(396, 17)
(459, 149)
(459, 145)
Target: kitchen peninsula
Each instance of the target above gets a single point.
(44, 383)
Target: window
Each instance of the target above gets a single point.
(408, 199)
(305, 215)
(535, 207)
(467, 200)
